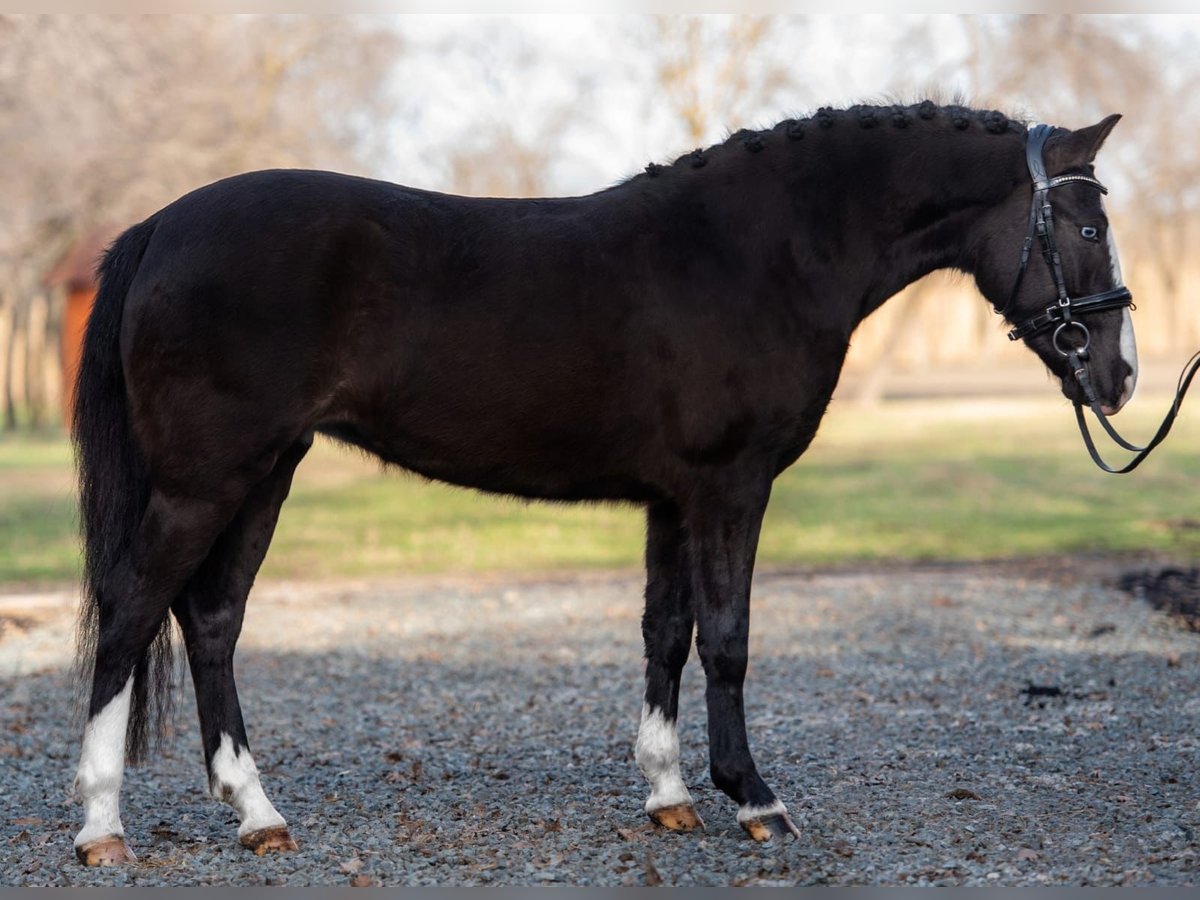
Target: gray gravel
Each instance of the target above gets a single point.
(480, 731)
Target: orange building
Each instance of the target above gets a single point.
(76, 273)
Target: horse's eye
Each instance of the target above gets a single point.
(1090, 233)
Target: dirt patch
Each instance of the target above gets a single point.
(1173, 591)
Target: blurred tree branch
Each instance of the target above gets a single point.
(103, 119)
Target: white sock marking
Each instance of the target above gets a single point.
(234, 778)
(102, 768)
(657, 754)
(749, 812)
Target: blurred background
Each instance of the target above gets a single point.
(944, 441)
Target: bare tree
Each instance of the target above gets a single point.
(105, 118)
(717, 71)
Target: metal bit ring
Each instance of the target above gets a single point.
(1087, 338)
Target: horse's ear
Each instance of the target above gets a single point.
(1079, 148)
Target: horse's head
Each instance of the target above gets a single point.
(1052, 268)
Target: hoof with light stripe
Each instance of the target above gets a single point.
(106, 851)
(680, 817)
(770, 828)
(269, 840)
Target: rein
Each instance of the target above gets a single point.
(1085, 381)
(1061, 316)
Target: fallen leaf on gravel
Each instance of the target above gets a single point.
(1026, 854)
(162, 862)
(27, 820)
(653, 879)
(962, 794)
(363, 881)
(842, 849)
(351, 865)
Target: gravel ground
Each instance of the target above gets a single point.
(468, 732)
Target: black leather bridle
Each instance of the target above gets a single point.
(1063, 315)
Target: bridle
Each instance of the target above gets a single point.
(1063, 315)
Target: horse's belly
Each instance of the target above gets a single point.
(542, 463)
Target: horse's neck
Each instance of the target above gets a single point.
(925, 213)
(841, 220)
(869, 211)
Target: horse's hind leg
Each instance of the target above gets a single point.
(667, 631)
(175, 534)
(209, 612)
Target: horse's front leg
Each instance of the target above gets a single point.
(723, 528)
(667, 630)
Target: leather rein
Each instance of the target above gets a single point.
(1062, 316)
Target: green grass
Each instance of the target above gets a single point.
(907, 481)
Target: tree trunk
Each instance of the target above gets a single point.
(7, 418)
(51, 375)
(870, 390)
(15, 398)
(35, 348)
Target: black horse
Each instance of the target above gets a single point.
(671, 341)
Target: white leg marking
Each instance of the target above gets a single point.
(101, 769)
(749, 813)
(234, 779)
(657, 754)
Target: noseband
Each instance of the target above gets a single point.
(1062, 315)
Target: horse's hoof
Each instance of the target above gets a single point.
(269, 840)
(769, 827)
(106, 851)
(680, 817)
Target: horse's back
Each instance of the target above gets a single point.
(448, 334)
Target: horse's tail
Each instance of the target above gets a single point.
(114, 487)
